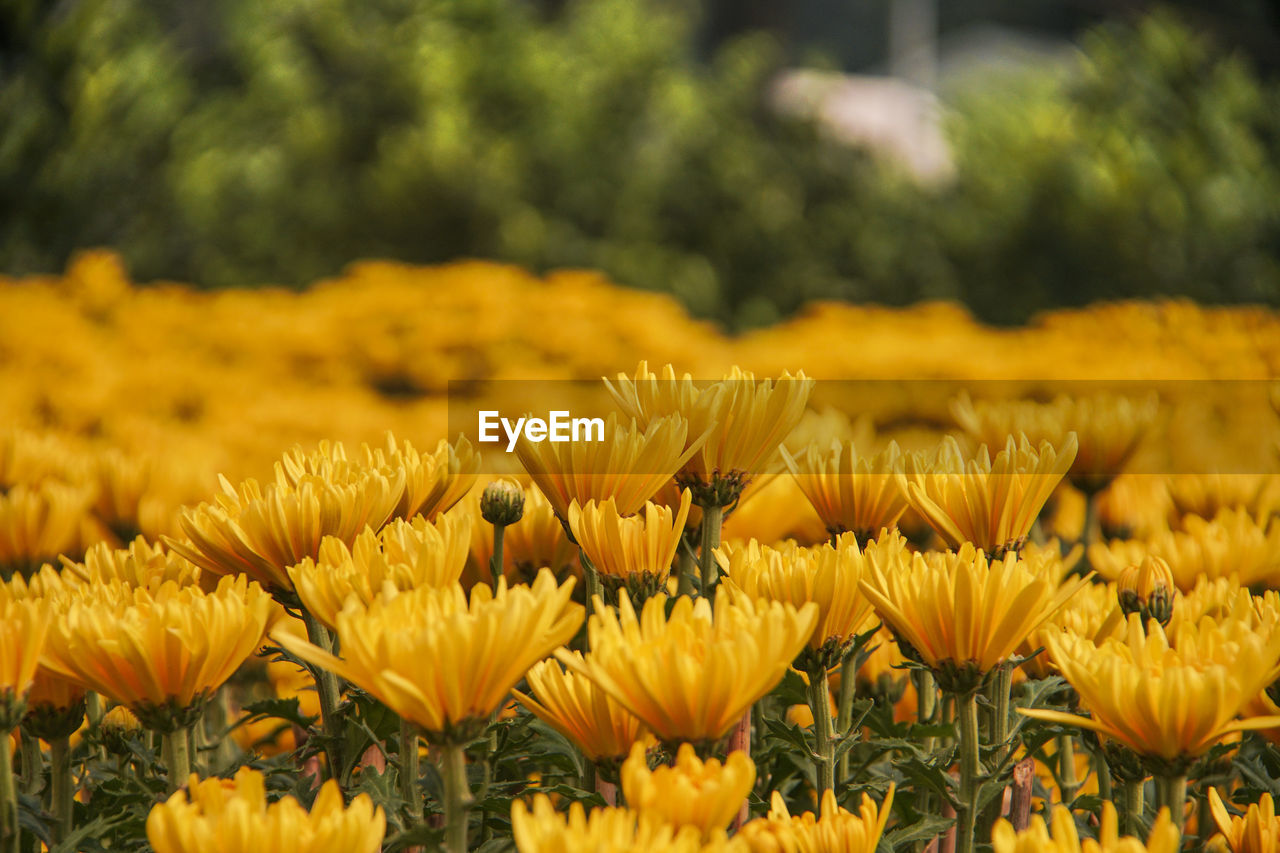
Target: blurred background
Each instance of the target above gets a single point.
(745, 156)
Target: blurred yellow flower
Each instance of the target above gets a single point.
(963, 614)
(989, 503)
(629, 465)
(836, 829)
(1061, 836)
(442, 661)
(851, 493)
(689, 677)
(23, 627)
(1257, 831)
(691, 792)
(163, 652)
(826, 575)
(634, 547)
(219, 815)
(38, 524)
(1169, 696)
(543, 830)
(402, 556)
(574, 706)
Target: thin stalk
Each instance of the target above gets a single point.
(926, 708)
(686, 567)
(8, 798)
(1092, 530)
(844, 705)
(495, 562)
(1102, 770)
(820, 704)
(61, 781)
(970, 771)
(32, 759)
(1067, 780)
(327, 689)
(93, 713)
(1001, 690)
(1173, 796)
(409, 773)
(457, 797)
(178, 754)
(712, 520)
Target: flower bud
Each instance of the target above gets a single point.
(117, 726)
(1147, 589)
(502, 502)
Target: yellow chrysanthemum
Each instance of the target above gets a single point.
(1205, 495)
(141, 564)
(1171, 696)
(38, 524)
(23, 627)
(689, 677)
(826, 575)
(218, 815)
(836, 829)
(259, 531)
(404, 555)
(961, 612)
(632, 547)
(1062, 837)
(574, 706)
(433, 483)
(1257, 831)
(1233, 543)
(691, 792)
(851, 493)
(543, 830)
(442, 661)
(162, 652)
(1109, 428)
(1093, 612)
(989, 503)
(629, 465)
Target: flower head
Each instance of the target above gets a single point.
(23, 626)
(989, 503)
(634, 547)
(851, 493)
(836, 828)
(1258, 831)
(1061, 836)
(543, 830)
(690, 792)
(432, 483)
(216, 815)
(38, 524)
(1147, 589)
(687, 676)
(440, 660)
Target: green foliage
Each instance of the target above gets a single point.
(247, 142)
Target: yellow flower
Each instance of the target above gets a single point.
(1109, 427)
(37, 524)
(260, 531)
(689, 677)
(141, 564)
(961, 614)
(160, 653)
(402, 556)
(836, 829)
(1093, 612)
(442, 661)
(1258, 831)
(1147, 589)
(691, 792)
(574, 706)
(542, 830)
(217, 815)
(433, 483)
(1061, 836)
(990, 503)
(23, 626)
(1169, 696)
(629, 465)
(1205, 495)
(826, 575)
(1231, 544)
(630, 547)
(851, 493)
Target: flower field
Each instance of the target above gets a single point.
(877, 580)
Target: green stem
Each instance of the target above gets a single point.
(712, 520)
(32, 759)
(61, 780)
(820, 704)
(926, 708)
(495, 562)
(1173, 796)
(457, 797)
(327, 690)
(844, 705)
(687, 567)
(1092, 530)
(1067, 768)
(409, 773)
(970, 770)
(8, 798)
(1102, 770)
(1001, 691)
(178, 755)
